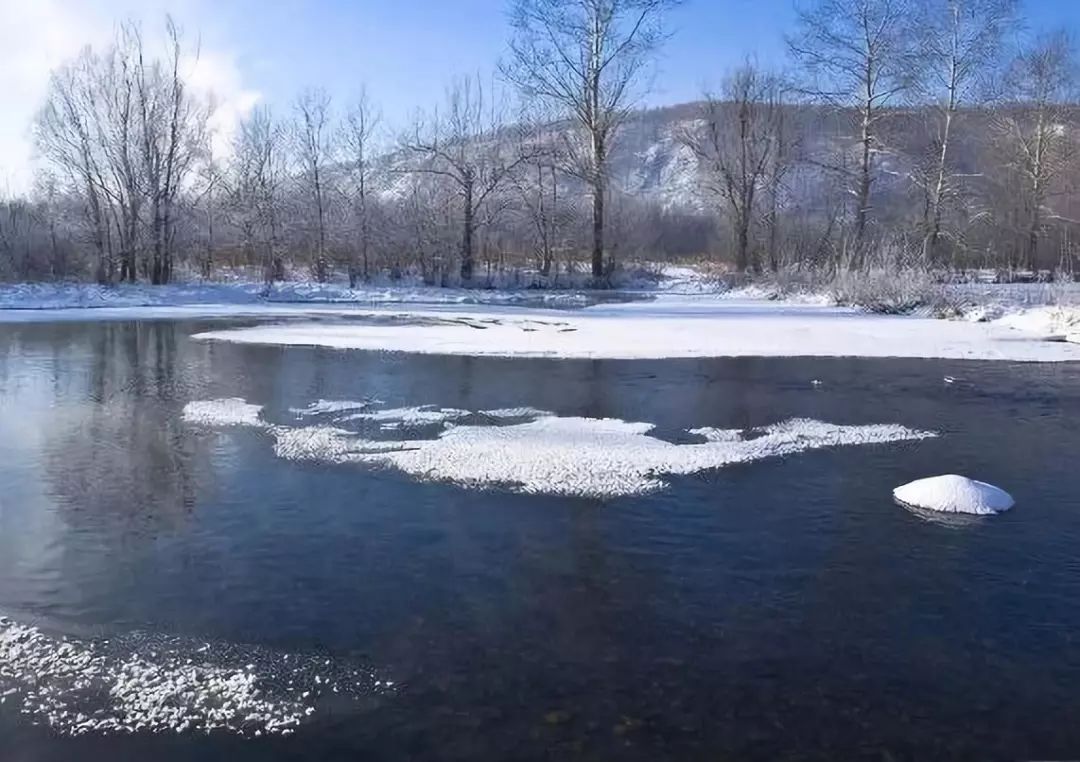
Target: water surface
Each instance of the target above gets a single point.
(779, 609)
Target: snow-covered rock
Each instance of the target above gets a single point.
(954, 494)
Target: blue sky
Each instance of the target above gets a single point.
(405, 51)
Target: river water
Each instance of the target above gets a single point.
(779, 609)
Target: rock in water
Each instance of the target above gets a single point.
(954, 494)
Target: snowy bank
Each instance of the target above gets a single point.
(214, 296)
(668, 326)
(531, 451)
(954, 494)
(1047, 323)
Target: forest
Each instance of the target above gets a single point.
(936, 136)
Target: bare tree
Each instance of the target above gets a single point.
(738, 147)
(315, 146)
(539, 187)
(361, 125)
(65, 135)
(172, 125)
(859, 57)
(254, 188)
(1037, 142)
(469, 145)
(962, 44)
(589, 57)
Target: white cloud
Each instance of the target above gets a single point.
(214, 74)
(36, 36)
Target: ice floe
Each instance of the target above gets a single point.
(223, 412)
(954, 494)
(145, 683)
(574, 456)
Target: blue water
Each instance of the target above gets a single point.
(784, 609)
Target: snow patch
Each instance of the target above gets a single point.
(571, 456)
(232, 411)
(323, 407)
(155, 684)
(1045, 322)
(954, 494)
(412, 416)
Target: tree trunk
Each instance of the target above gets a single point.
(467, 234)
(742, 243)
(598, 228)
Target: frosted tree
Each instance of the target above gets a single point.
(961, 44)
(737, 146)
(469, 145)
(1034, 134)
(361, 126)
(315, 145)
(858, 55)
(590, 58)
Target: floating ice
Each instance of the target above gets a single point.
(412, 416)
(569, 455)
(322, 407)
(232, 411)
(143, 683)
(709, 434)
(954, 494)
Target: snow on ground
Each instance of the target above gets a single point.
(667, 326)
(60, 296)
(681, 315)
(954, 494)
(585, 457)
(153, 684)
(1044, 322)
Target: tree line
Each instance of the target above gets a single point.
(936, 134)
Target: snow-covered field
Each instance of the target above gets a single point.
(684, 316)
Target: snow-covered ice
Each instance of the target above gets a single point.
(669, 326)
(145, 683)
(954, 494)
(223, 412)
(573, 456)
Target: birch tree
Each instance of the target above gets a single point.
(961, 42)
(1035, 133)
(858, 55)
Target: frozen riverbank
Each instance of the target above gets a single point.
(678, 319)
(667, 326)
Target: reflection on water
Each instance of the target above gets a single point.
(780, 608)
